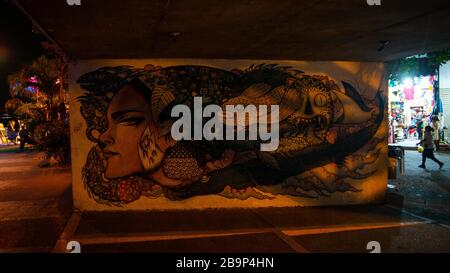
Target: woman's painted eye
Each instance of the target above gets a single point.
(132, 121)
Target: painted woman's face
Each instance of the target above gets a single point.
(129, 144)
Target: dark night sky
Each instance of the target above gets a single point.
(18, 44)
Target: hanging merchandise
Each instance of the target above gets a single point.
(409, 92)
(412, 102)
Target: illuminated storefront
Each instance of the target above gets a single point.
(411, 101)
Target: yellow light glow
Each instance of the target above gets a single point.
(4, 53)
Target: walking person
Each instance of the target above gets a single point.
(435, 125)
(420, 129)
(428, 145)
(24, 138)
(419, 124)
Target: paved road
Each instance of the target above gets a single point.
(425, 192)
(35, 203)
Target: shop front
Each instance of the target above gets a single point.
(411, 105)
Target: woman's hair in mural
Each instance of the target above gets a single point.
(320, 147)
(100, 87)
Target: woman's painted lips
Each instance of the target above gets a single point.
(109, 154)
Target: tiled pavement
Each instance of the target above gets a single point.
(320, 229)
(325, 229)
(425, 192)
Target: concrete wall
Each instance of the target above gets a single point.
(341, 162)
(444, 73)
(444, 88)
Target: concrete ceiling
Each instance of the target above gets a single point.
(244, 29)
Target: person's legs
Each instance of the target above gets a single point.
(432, 157)
(22, 145)
(424, 158)
(436, 143)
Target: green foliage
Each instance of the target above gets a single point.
(54, 138)
(43, 112)
(439, 57)
(417, 66)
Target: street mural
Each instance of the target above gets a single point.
(327, 140)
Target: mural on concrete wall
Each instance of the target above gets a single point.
(327, 134)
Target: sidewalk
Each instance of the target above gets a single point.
(36, 216)
(415, 218)
(271, 230)
(410, 144)
(35, 203)
(424, 191)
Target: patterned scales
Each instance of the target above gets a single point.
(180, 163)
